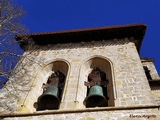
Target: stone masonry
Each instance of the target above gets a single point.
(130, 93)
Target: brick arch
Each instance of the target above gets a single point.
(106, 66)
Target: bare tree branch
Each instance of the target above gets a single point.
(11, 76)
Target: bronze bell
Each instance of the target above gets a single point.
(49, 99)
(96, 97)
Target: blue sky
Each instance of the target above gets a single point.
(56, 15)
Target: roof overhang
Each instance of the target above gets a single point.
(144, 59)
(137, 31)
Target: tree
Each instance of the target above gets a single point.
(10, 25)
(10, 53)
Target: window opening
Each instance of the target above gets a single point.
(147, 72)
(52, 92)
(96, 89)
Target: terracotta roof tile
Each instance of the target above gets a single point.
(84, 29)
(88, 34)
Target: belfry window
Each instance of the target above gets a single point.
(147, 72)
(52, 92)
(96, 89)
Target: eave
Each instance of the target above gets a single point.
(137, 31)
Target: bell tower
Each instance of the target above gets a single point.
(88, 74)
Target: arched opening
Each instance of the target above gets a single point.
(97, 83)
(97, 94)
(53, 88)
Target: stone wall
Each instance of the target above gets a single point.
(139, 114)
(151, 67)
(127, 77)
(155, 77)
(156, 93)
